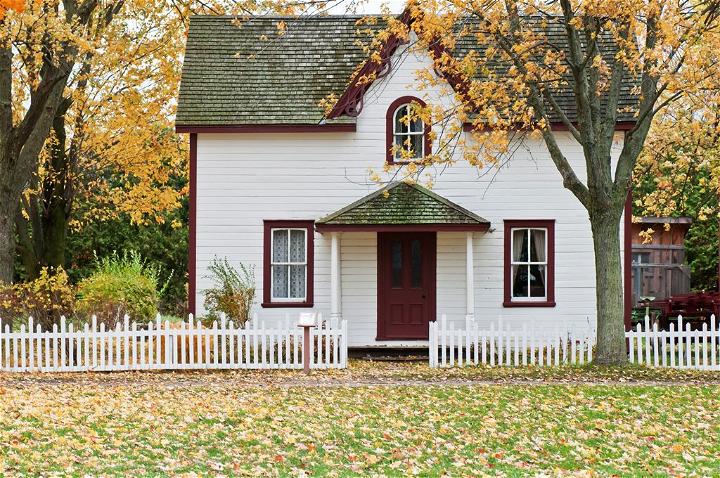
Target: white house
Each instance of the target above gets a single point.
(277, 184)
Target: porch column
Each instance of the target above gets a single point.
(470, 277)
(335, 278)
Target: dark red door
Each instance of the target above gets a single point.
(406, 284)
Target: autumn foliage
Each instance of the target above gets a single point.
(16, 5)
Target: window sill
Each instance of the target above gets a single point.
(276, 305)
(509, 303)
(406, 162)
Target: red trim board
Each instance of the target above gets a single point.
(268, 128)
(192, 225)
(322, 228)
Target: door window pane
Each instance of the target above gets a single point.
(416, 263)
(396, 251)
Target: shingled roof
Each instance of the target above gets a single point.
(243, 73)
(400, 203)
(555, 35)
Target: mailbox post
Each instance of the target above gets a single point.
(307, 320)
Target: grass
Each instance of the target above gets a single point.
(347, 423)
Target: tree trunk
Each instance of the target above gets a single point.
(8, 208)
(42, 229)
(55, 195)
(611, 348)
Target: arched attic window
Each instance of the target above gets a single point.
(408, 137)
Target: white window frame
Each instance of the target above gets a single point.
(528, 263)
(273, 298)
(407, 133)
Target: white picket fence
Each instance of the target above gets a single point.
(162, 345)
(679, 347)
(499, 345)
(502, 345)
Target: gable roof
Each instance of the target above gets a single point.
(231, 76)
(399, 203)
(243, 73)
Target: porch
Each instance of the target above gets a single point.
(392, 255)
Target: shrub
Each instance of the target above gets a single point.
(233, 291)
(45, 299)
(121, 285)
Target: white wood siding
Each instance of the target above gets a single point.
(245, 178)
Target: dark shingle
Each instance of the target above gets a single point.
(244, 73)
(232, 76)
(402, 203)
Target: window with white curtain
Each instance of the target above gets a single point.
(529, 262)
(289, 264)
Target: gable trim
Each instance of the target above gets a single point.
(350, 102)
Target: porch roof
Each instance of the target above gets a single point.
(402, 206)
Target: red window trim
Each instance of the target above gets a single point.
(268, 226)
(548, 224)
(389, 121)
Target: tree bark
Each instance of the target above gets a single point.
(8, 210)
(42, 238)
(611, 347)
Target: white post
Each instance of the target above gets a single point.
(335, 279)
(470, 277)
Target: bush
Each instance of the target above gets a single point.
(233, 292)
(45, 299)
(163, 245)
(121, 285)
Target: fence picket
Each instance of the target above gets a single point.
(703, 357)
(714, 345)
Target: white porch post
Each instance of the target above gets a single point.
(470, 277)
(335, 278)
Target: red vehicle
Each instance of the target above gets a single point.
(696, 309)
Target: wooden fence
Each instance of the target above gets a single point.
(164, 345)
(679, 347)
(501, 345)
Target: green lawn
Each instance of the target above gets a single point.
(223, 424)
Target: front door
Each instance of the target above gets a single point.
(406, 284)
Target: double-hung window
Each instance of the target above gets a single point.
(288, 263)
(529, 263)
